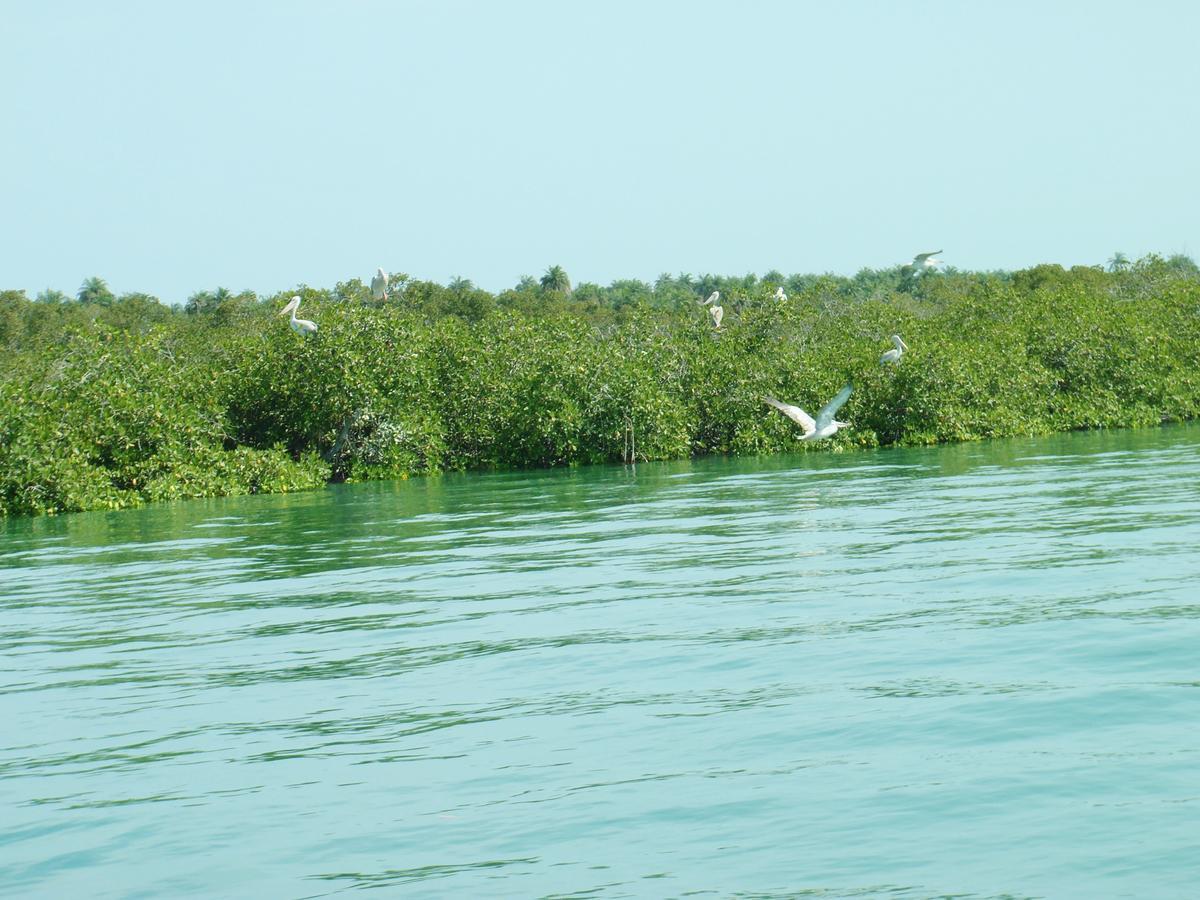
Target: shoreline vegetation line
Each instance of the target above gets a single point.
(109, 402)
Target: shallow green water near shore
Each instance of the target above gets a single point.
(969, 670)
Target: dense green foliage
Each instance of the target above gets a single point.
(112, 401)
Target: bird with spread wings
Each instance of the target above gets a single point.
(824, 425)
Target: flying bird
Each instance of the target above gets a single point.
(712, 298)
(717, 314)
(824, 426)
(379, 285)
(893, 356)
(302, 327)
(923, 261)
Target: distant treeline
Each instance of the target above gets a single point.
(110, 401)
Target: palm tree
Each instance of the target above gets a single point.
(556, 279)
(1118, 263)
(95, 290)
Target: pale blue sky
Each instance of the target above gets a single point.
(258, 145)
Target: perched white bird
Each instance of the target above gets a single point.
(923, 261)
(712, 298)
(894, 355)
(379, 285)
(824, 425)
(779, 294)
(717, 314)
(302, 327)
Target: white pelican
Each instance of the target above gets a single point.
(717, 314)
(302, 327)
(923, 261)
(712, 298)
(779, 294)
(894, 355)
(379, 285)
(824, 426)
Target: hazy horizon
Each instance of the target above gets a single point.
(172, 150)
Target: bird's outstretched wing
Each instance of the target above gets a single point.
(829, 410)
(795, 413)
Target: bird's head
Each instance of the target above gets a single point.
(294, 303)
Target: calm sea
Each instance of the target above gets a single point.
(968, 671)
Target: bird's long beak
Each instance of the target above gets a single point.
(903, 345)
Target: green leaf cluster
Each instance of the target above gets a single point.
(108, 402)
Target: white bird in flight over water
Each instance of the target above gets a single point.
(923, 261)
(894, 355)
(824, 426)
(379, 285)
(717, 314)
(712, 298)
(302, 327)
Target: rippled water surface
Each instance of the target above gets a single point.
(969, 671)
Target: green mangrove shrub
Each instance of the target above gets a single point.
(108, 402)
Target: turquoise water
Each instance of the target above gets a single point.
(966, 671)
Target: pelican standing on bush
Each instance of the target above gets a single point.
(779, 293)
(302, 327)
(924, 261)
(824, 426)
(893, 355)
(717, 314)
(379, 285)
